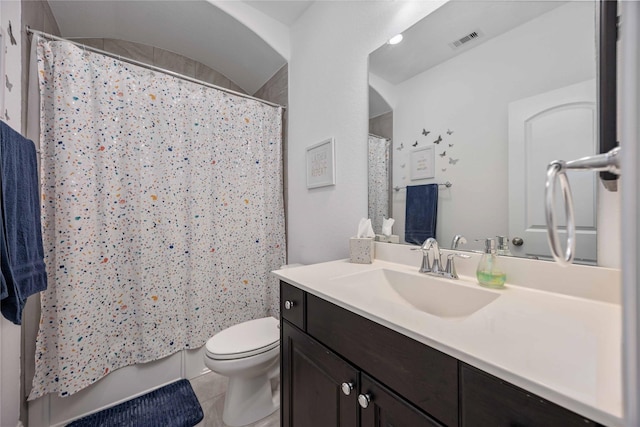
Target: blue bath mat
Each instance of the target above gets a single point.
(174, 405)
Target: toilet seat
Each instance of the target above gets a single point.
(244, 340)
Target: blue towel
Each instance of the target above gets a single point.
(23, 268)
(421, 213)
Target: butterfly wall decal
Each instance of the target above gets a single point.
(415, 144)
(400, 147)
(444, 153)
(403, 165)
(453, 161)
(444, 169)
(425, 132)
(439, 140)
(449, 132)
(450, 145)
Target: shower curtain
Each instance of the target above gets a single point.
(378, 181)
(162, 214)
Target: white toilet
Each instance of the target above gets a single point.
(247, 353)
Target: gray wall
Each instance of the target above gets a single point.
(37, 15)
(162, 58)
(276, 90)
(382, 125)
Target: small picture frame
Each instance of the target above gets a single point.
(321, 164)
(422, 163)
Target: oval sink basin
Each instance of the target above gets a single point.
(429, 294)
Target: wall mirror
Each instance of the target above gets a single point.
(497, 89)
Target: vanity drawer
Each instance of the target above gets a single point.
(487, 401)
(425, 377)
(292, 304)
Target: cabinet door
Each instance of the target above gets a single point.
(420, 374)
(312, 382)
(487, 401)
(386, 409)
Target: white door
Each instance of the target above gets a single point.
(556, 125)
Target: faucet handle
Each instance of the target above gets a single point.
(450, 269)
(425, 267)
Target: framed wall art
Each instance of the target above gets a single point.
(321, 169)
(422, 163)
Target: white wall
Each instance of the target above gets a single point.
(11, 114)
(328, 97)
(469, 94)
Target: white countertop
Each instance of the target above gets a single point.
(564, 348)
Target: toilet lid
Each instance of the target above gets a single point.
(245, 339)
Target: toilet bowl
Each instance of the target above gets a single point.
(248, 354)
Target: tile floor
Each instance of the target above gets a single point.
(210, 389)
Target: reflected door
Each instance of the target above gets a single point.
(556, 125)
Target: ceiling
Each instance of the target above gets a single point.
(428, 42)
(194, 28)
(286, 12)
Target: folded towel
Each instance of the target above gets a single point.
(421, 213)
(23, 268)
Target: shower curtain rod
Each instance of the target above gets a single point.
(150, 67)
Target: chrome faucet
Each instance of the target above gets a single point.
(435, 267)
(458, 239)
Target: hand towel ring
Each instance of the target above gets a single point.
(556, 171)
(609, 162)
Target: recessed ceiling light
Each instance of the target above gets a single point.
(395, 39)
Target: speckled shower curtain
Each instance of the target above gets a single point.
(162, 214)
(378, 182)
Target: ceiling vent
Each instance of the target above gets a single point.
(474, 35)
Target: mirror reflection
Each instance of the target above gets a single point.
(483, 95)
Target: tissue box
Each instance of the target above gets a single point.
(361, 250)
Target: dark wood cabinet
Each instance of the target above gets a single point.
(387, 409)
(487, 401)
(292, 305)
(312, 386)
(320, 389)
(424, 376)
(400, 382)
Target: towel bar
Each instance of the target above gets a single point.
(446, 184)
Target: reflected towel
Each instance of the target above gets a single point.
(421, 213)
(23, 268)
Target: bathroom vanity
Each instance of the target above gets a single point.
(356, 356)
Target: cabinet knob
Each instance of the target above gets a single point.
(517, 241)
(364, 400)
(288, 305)
(347, 388)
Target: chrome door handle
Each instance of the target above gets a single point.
(364, 400)
(347, 388)
(288, 305)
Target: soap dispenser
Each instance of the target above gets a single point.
(489, 272)
(503, 245)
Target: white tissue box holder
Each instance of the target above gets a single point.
(361, 250)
